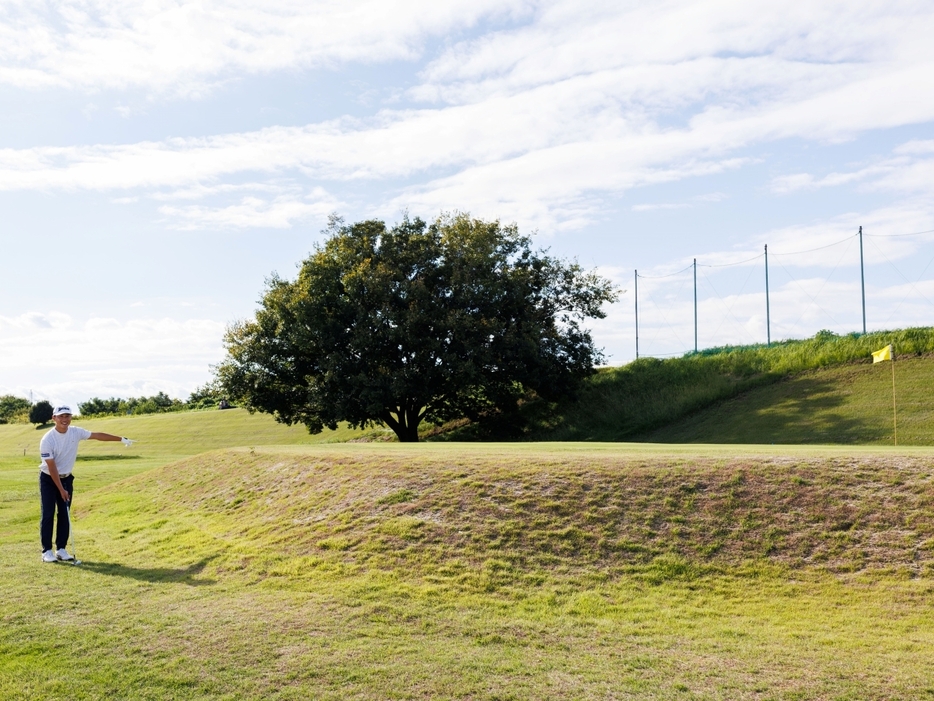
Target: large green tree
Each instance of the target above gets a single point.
(457, 319)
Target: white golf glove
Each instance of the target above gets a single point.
(127, 442)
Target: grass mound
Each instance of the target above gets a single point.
(477, 521)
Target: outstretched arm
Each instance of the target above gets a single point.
(105, 437)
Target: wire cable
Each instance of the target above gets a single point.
(665, 355)
(882, 253)
(819, 248)
(826, 280)
(665, 319)
(813, 300)
(727, 265)
(890, 236)
(660, 277)
(667, 323)
(899, 305)
(729, 309)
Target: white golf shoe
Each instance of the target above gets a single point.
(48, 556)
(64, 555)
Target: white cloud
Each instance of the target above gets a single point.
(909, 170)
(65, 359)
(188, 47)
(711, 197)
(200, 191)
(538, 123)
(56, 340)
(678, 51)
(910, 176)
(651, 207)
(784, 184)
(35, 320)
(277, 213)
(916, 147)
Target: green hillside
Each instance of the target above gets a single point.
(174, 435)
(630, 402)
(851, 404)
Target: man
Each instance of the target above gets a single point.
(59, 449)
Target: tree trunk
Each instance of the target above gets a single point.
(408, 434)
(406, 425)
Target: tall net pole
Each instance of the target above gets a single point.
(695, 305)
(637, 314)
(768, 321)
(862, 276)
(894, 407)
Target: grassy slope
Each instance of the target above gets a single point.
(849, 404)
(626, 402)
(175, 434)
(483, 572)
(161, 438)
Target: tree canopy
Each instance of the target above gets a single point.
(41, 412)
(12, 407)
(460, 318)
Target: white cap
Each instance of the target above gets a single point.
(61, 410)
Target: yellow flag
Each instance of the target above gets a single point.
(883, 354)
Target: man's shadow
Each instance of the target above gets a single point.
(182, 575)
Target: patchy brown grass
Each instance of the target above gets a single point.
(440, 516)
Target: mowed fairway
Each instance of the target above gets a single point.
(161, 438)
(471, 571)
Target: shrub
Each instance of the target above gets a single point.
(209, 395)
(97, 406)
(41, 413)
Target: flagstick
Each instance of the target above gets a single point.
(894, 412)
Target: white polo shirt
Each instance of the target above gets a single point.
(62, 448)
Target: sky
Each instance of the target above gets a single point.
(159, 161)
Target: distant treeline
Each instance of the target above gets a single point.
(15, 409)
(206, 397)
(156, 404)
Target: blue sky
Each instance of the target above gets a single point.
(159, 160)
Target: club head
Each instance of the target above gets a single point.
(77, 562)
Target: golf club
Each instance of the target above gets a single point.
(71, 536)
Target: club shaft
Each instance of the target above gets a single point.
(71, 533)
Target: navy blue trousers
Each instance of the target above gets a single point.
(52, 500)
